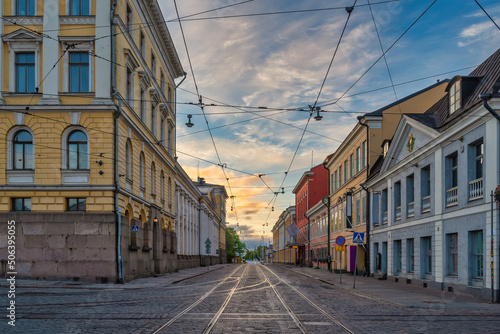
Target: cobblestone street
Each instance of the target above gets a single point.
(250, 298)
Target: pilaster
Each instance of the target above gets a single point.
(2, 74)
(103, 52)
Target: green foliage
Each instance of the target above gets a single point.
(234, 246)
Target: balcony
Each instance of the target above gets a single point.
(452, 196)
(410, 209)
(476, 189)
(397, 213)
(426, 204)
(384, 217)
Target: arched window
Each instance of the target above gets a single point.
(152, 179)
(128, 160)
(23, 150)
(141, 171)
(77, 150)
(169, 192)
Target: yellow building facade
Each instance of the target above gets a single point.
(87, 129)
(349, 169)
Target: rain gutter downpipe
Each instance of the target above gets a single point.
(117, 177)
(327, 204)
(367, 213)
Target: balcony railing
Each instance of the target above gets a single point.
(476, 189)
(411, 209)
(384, 217)
(426, 203)
(398, 212)
(452, 196)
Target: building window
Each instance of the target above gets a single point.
(153, 181)
(77, 151)
(171, 140)
(128, 160)
(162, 82)
(142, 106)
(363, 154)
(476, 187)
(363, 207)
(375, 209)
(476, 241)
(410, 196)
(452, 179)
(452, 253)
(25, 72)
(162, 181)
(358, 210)
(345, 171)
(397, 257)
(162, 131)
(141, 170)
(169, 189)
(80, 7)
(397, 200)
(145, 241)
(351, 165)
(129, 89)
(25, 8)
(76, 204)
(153, 118)
(410, 255)
(23, 150)
(384, 206)
(170, 99)
(455, 97)
(143, 45)
(130, 20)
(153, 64)
(79, 72)
(426, 255)
(358, 162)
(340, 176)
(335, 185)
(425, 188)
(21, 204)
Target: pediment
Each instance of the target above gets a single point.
(409, 138)
(22, 35)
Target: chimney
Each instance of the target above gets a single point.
(201, 180)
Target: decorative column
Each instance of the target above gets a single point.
(51, 53)
(102, 74)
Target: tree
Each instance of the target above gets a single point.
(234, 246)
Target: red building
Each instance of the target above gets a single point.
(311, 188)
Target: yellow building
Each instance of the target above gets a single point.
(87, 130)
(349, 168)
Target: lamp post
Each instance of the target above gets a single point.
(326, 202)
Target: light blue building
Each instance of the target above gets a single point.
(431, 217)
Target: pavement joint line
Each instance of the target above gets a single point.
(203, 273)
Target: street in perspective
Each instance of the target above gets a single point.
(249, 166)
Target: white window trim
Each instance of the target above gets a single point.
(22, 46)
(81, 47)
(68, 7)
(14, 7)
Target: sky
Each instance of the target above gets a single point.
(262, 63)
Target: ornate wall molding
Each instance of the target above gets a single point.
(22, 20)
(77, 20)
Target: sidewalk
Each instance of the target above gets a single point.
(405, 295)
(139, 283)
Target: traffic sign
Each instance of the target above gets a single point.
(340, 248)
(497, 195)
(135, 228)
(358, 237)
(340, 240)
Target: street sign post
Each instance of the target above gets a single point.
(358, 237)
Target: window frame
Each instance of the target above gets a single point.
(477, 255)
(78, 207)
(15, 7)
(78, 143)
(81, 73)
(427, 255)
(24, 154)
(84, 45)
(28, 67)
(455, 96)
(81, 6)
(23, 200)
(410, 255)
(452, 254)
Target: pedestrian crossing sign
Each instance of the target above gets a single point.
(358, 238)
(135, 228)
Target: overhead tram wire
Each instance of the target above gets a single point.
(201, 107)
(279, 12)
(376, 61)
(385, 58)
(484, 10)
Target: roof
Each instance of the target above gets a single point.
(485, 79)
(378, 112)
